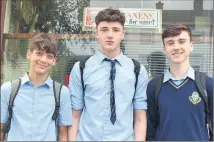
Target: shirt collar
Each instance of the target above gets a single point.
(26, 79)
(101, 57)
(190, 73)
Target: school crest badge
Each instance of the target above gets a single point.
(195, 98)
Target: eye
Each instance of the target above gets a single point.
(50, 56)
(104, 30)
(116, 30)
(182, 42)
(170, 43)
(38, 53)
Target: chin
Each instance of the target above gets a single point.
(42, 72)
(177, 61)
(110, 48)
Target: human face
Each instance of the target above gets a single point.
(178, 48)
(110, 35)
(40, 61)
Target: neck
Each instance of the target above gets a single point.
(37, 79)
(111, 54)
(179, 70)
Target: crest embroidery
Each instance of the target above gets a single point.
(195, 98)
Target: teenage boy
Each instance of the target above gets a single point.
(104, 110)
(178, 113)
(34, 104)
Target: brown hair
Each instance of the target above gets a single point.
(44, 42)
(175, 30)
(110, 15)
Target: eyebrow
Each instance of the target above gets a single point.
(112, 28)
(178, 39)
(103, 27)
(116, 28)
(169, 41)
(182, 39)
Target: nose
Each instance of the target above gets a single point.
(110, 34)
(177, 46)
(43, 58)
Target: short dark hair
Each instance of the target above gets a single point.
(175, 29)
(44, 42)
(110, 15)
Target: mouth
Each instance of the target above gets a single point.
(42, 66)
(177, 53)
(109, 42)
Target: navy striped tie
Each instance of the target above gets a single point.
(112, 96)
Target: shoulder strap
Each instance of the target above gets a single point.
(136, 71)
(57, 89)
(82, 66)
(159, 81)
(200, 80)
(14, 90)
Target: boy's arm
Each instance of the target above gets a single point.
(140, 106)
(63, 133)
(140, 125)
(73, 131)
(65, 114)
(152, 118)
(5, 95)
(77, 97)
(209, 84)
(2, 134)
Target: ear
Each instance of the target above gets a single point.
(164, 50)
(54, 62)
(122, 38)
(97, 37)
(28, 54)
(191, 48)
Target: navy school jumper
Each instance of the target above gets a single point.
(181, 111)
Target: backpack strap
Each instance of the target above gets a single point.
(159, 81)
(14, 90)
(136, 71)
(200, 80)
(57, 89)
(82, 66)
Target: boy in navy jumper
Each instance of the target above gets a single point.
(180, 114)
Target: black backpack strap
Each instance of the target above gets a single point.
(15, 88)
(200, 80)
(136, 71)
(56, 89)
(82, 66)
(159, 81)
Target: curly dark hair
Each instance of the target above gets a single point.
(175, 29)
(110, 15)
(44, 42)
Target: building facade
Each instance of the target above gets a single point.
(71, 21)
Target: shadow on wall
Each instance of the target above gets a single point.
(156, 63)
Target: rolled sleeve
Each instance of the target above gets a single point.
(65, 112)
(75, 87)
(5, 95)
(140, 98)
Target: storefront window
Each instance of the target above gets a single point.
(71, 21)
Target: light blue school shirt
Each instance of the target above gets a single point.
(190, 73)
(95, 121)
(33, 109)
